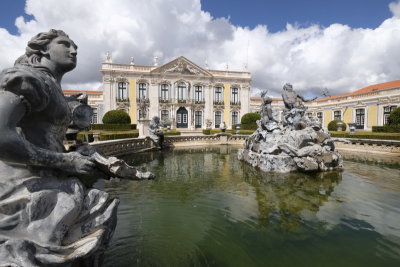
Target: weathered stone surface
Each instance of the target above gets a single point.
(49, 213)
(295, 143)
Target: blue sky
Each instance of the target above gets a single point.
(274, 14)
(339, 45)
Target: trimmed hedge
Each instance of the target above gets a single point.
(207, 131)
(249, 118)
(172, 132)
(249, 121)
(250, 126)
(217, 131)
(116, 117)
(113, 127)
(332, 126)
(366, 136)
(246, 132)
(107, 136)
(386, 129)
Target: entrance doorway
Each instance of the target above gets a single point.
(182, 118)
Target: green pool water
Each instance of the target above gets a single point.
(206, 208)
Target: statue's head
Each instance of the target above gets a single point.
(156, 119)
(288, 87)
(55, 46)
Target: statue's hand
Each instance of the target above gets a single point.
(76, 163)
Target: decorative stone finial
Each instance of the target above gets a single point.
(155, 60)
(227, 66)
(206, 64)
(132, 61)
(108, 57)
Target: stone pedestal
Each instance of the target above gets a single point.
(143, 127)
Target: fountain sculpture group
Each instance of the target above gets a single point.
(293, 142)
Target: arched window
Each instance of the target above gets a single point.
(218, 118)
(182, 91)
(122, 91)
(142, 90)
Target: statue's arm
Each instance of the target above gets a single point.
(15, 148)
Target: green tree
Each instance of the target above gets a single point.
(394, 117)
(116, 117)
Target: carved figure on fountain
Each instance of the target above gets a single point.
(295, 143)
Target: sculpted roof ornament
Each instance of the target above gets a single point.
(182, 65)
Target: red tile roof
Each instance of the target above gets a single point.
(85, 91)
(368, 89)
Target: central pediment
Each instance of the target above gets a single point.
(182, 66)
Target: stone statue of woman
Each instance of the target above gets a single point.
(47, 215)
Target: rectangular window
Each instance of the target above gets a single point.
(184, 118)
(360, 117)
(164, 115)
(319, 116)
(122, 92)
(234, 95)
(142, 90)
(309, 115)
(337, 115)
(198, 93)
(386, 113)
(181, 91)
(164, 91)
(198, 119)
(94, 117)
(218, 95)
(217, 119)
(235, 116)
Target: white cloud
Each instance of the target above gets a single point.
(395, 8)
(337, 57)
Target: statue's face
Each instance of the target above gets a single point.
(62, 51)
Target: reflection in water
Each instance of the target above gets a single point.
(206, 208)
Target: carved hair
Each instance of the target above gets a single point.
(287, 86)
(37, 45)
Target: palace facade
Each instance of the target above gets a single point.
(366, 107)
(180, 92)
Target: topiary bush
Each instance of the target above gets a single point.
(332, 126)
(394, 117)
(249, 118)
(249, 121)
(116, 117)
